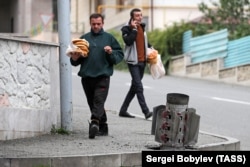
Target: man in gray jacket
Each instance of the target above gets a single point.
(135, 38)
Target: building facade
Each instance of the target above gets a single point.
(37, 19)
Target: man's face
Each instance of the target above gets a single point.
(138, 17)
(96, 24)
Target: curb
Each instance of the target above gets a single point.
(229, 144)
(110, 160)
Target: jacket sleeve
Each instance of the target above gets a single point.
(117, 54)
(128, 35)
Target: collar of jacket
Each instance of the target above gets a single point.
(142, 24)
(95, 34)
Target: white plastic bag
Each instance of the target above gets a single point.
(157, 70)
(71, 48)
(80, 46)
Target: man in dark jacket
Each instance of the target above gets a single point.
(135, 38)
(95, 71)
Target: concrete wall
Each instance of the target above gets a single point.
(209, 70)
(29, 101)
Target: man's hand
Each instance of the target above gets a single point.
(108, 49)
(75, 56)
(134, 24)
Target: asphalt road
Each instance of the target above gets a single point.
(224, 108)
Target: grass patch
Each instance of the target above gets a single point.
(61, 131)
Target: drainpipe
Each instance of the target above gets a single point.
(152, 15)
(77, 15)
(65, 66)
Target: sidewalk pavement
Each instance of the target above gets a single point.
(122, 147)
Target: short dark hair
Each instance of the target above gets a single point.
(134, 10)
(96, 15)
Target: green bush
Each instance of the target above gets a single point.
(167, 41)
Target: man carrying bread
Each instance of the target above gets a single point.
(99, 52)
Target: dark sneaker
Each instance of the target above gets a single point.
(126, 114)
(103, 129)
(148, 115)
(93, 129)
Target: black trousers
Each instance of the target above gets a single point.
(136, 88)
(96, 91)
